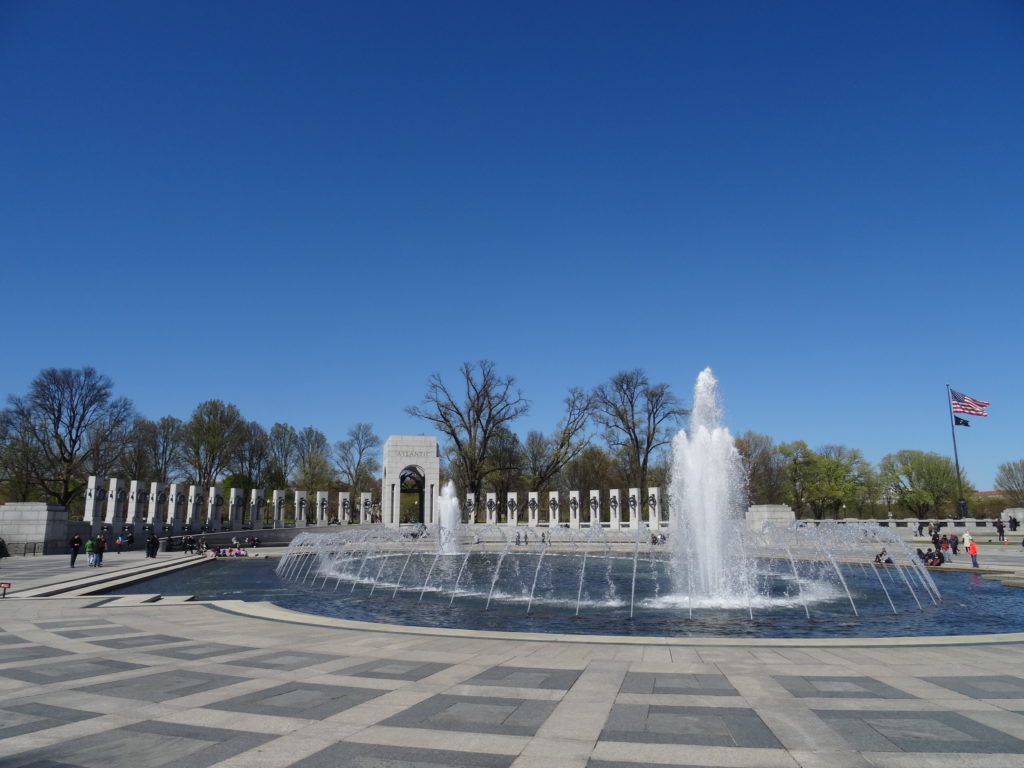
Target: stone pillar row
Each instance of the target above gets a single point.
(114, 507)
(613, 510)
(174, 509)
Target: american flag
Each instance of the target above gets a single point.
(964, 404)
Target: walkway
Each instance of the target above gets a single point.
(96, 683)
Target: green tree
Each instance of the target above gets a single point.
(1010, 482)
(833, 477)
(313, 470)
(764, 468)
(210, 441)
(924, 483)
(796, 468)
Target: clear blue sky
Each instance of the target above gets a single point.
(307, 208)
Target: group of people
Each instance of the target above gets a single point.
(95, 546)
(946, 547)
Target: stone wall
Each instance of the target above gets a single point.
(34, 528)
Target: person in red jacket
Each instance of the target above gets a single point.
(972, 550)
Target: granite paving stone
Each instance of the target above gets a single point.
(673, 683)
(306, 700)
(138, 641)
(393, 670)
(151, 744)
(983, 686)
(711, 726)
(477, 714)
(10, 655)
(163, 686)
(286, 660)
(200, 652)
(354, 755)
(825, 686)
(18, 719)
(68, 670)
(526, 677)
(912, 731)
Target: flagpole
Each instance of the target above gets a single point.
(962, 510)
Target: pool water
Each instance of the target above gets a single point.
(969, 605)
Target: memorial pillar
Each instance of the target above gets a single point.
(236, 510)
(470, 508)
(157, 506)
(256, 509)
(214, 508)
(532, 506)
(136, 518)
(553, 514)
(654, 508)
(492, 508)
(614, 510)
(301, 505)
(512, 505)
(344, 507)
(633, 508)
(322, 511)
(365, 511)
(277, 510)
(117, 502)
(175, 506)
(95, 501)
(194, 521)
(595, 509)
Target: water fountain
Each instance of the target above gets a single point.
(715, 577)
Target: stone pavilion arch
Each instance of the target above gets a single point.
(412, 471)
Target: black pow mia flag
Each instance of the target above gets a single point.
(961, 422)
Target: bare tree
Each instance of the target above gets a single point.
(356, 457)
(1010, 482)
(546, 456)
(637, 418)
(170, 432)
(67, 427)
(252, 458)
(284, 441)
(136, 460)
(312, 460)
(470, 420)
(210, 440)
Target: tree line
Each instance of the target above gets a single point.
(69, 425)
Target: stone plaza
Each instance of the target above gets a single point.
(91, 681)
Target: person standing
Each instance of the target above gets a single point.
(972, 550)
(100, 548)
(76, 546)
(152, 545)
(90, 551)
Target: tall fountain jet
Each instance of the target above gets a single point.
(708, 503)
(449, 520)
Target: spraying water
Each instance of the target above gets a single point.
(450, 517)
(707, 499)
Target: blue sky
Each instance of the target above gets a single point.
(306, 209)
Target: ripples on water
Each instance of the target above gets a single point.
(970, 605)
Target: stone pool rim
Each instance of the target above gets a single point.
(271, 612)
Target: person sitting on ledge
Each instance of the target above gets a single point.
(883, 557)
